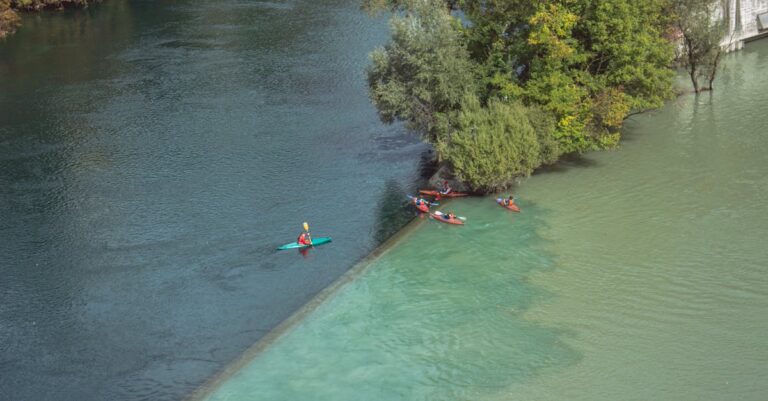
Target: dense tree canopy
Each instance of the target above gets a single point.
(572, 68)
(423, 72)
(492, 145)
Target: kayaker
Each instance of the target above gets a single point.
(509, 201)
(451, 216)
(305, 238)
(446, 188)
(418, 201)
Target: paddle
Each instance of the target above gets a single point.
(306, 228)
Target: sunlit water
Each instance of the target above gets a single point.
(636, 274)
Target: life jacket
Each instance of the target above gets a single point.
(302, 238)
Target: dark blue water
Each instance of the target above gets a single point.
(152, 156)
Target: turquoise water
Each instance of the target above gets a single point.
(635, 274)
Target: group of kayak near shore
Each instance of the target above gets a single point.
(450, 217)
(305, 239)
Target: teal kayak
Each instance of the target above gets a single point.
(315, 242)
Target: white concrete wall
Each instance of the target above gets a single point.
(742, 21)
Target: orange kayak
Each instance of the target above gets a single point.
(431, 192)
(439, 216)
(511, 207)
(424, 207)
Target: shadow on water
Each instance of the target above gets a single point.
(393, 210)
(567, 162)
(390, 211)
(427, 165)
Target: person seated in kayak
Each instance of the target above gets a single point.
(509, 201)
(450, 216)
(304, 239)
(419, 201)
(446, 189)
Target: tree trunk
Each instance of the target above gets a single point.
(692, 68)
(694, 77)
(713, 70)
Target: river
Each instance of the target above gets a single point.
(635, 274)
(152, 156)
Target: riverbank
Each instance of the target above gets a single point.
(647, 281)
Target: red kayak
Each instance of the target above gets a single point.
(440, 216)
(424, 207)
(511, 206)
(438, 194)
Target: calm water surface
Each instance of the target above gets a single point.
(637, 274)
(152, 156)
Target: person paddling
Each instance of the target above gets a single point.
(305, 238)
(509, 201)
(446, 188)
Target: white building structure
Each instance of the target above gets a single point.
(747, 20)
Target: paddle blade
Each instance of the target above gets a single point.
(306, 226)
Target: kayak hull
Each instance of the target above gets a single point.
(441, 218)
(422, 208)
(431, 192)
(315, 242)
(511, 207)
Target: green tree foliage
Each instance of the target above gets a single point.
(702, 31)
(423, 72)
(493, 144)
(576, 67)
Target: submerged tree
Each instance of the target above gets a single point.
(423, 72)
(492, 145)
(571, 70)
(702, 29)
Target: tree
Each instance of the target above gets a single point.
(492, 145)
(579, 66)
(423, 72)
(702, 30)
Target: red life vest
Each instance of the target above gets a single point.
(302, 239)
